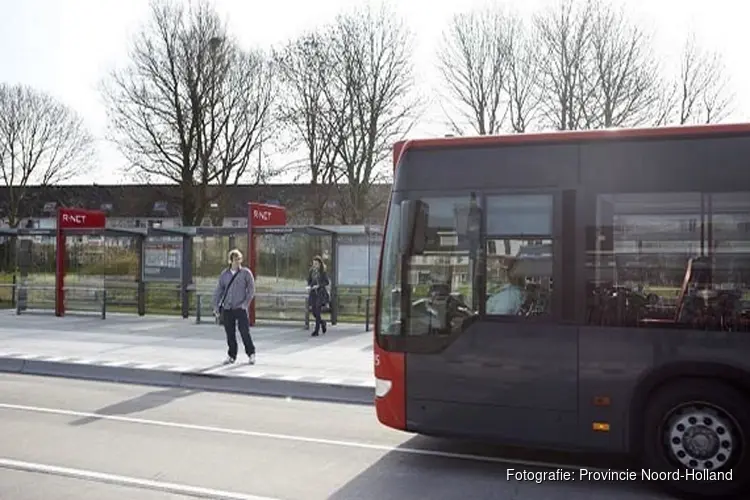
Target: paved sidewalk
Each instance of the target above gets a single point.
(169, 351)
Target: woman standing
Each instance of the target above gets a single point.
(317, 281)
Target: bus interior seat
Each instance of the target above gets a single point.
(703, 273)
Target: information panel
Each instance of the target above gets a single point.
(357, 264)
(162, 259)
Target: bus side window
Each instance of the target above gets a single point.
(519, 277)
(670, 260)
(519, 255)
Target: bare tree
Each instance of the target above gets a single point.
(625, 72)
(521, 81)
(371, 100)
(566, 77)
(42, 142)
(665, 103)
(474, 61)
(701, 92)
(191, 107)
(305, 66)
(596, 67)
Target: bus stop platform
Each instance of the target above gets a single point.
(166, 351)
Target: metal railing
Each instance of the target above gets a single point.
(92, 295)
(282, 303)
(123, 297)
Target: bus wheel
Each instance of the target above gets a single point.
(696, 439)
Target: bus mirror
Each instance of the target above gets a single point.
(408, 209)
(413, 238)
(419, 237)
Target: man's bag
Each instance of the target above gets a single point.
(220, 310)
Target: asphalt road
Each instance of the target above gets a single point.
(69, 439)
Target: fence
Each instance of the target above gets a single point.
(354, 306)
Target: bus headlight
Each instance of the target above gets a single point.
(382, 387)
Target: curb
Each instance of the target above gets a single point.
(314, 391)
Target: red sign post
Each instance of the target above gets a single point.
(260, 215)
(67, 219)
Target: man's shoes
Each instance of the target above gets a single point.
(230, 360)
(251, 359)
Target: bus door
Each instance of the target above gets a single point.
(493, 355)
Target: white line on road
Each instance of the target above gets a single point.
(56, 359)
(114, 363)
(148, 327)
(272, 331)
(289, 437)
(102, 477)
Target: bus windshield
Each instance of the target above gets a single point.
(439, 284)
(390, 308)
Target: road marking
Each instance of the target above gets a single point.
(290, 437)
(114, 363)
(147, 366)
(34, 357)
(56, 359)
(102, 477)
(148, 327)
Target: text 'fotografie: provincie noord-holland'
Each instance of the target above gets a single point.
(617, 475)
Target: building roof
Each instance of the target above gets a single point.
(133, 201)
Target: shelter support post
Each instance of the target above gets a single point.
(23, 261)
(198, 307)
(60, 251)
(141, 289)
(252, 249)
(187, 274)
(14, 287)
(334, 280)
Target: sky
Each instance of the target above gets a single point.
(66, 47)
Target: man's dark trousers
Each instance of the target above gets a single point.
(237, 319)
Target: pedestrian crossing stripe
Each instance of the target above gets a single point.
(229, 370)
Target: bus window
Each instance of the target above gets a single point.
(519, 255)
(669, 260)
(441, 280)
(519, 215)
(390, 286)
(519, 277)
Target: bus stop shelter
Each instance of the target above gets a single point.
(353, 258)
(353, 252)
(181, 276)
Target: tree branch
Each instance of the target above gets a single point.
(42, 142)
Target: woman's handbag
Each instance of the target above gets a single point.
(324, 297)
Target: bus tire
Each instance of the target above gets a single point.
(697, 425)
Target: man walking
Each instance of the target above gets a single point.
(232, 297)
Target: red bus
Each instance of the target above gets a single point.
(574, 291)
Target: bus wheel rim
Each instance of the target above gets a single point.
(702, 436)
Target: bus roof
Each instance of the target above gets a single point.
(573, 136)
